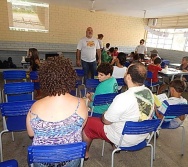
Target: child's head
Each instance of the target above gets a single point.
(142, 41)
(111, 51)
(104, 71)
(136, 57)
(116, 49)
(107, 45)
(100, 36)
(154, 56)
(185, 60)
(157, 61)
(177, 86)
(121, 58)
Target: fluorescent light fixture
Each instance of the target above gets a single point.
(25, 3)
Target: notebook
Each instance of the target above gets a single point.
(158, 99)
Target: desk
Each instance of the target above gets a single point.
(171, 72)
(175, 65)
(25, 65)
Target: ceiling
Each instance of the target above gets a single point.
(134, 8)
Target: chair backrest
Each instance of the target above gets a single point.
(80, 72)
(20, 91)
(104, 99)
(143, 127)
(149, 75)
(80, 76)
(91, 84)
(9, 163)
(176, 110)
(34, 75)
(14, 114)
(120, 81)
(56, 153)
(14, 75)
(127, 64)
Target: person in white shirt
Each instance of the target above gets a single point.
(176, 87)
(86, 54)
(100, 37)
(136, 104)
(141, 49)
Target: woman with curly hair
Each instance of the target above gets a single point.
(59, 117)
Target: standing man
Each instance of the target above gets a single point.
(86, 54)
(141, 49)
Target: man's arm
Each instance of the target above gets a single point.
(105, 121)
(78, 57)
(99, 55)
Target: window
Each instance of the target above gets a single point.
(175, 40)
(27, 16)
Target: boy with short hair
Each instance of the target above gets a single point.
(176, 87)
(155, 68)
(108, 85)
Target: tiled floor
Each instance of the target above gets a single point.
(167, 150)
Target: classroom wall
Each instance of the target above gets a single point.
(68, 25)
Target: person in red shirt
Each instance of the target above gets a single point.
(155, 68)
(116, 52)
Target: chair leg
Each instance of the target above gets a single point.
(154, 146)
(12, 136)
(1, 149)
(112, 160)
(113, 152)
(151, 158)
(82, 162)
(183, 140)
(103, 144)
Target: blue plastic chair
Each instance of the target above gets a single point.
(14, 75)
(9, 163)
(14, 118)
(34, 76)
(164, 63)
(19, 91)
(102, 99)
(137, 128)
(90, 86)
(56, 153)
(80, 74)
(148, 83)
(175, 111)
(127, 64)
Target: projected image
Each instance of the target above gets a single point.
(27, 16)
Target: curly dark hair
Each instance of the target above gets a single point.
(57, 76)
(137, 72)
(105, 68)
(178, 85)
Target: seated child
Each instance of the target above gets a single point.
(155, 68)
(176, 89)
(115, 52)
(108, 85)
(136, 58)
(107, 56)
(184, 66)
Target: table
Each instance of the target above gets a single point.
(175, 65)
(171, 72)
